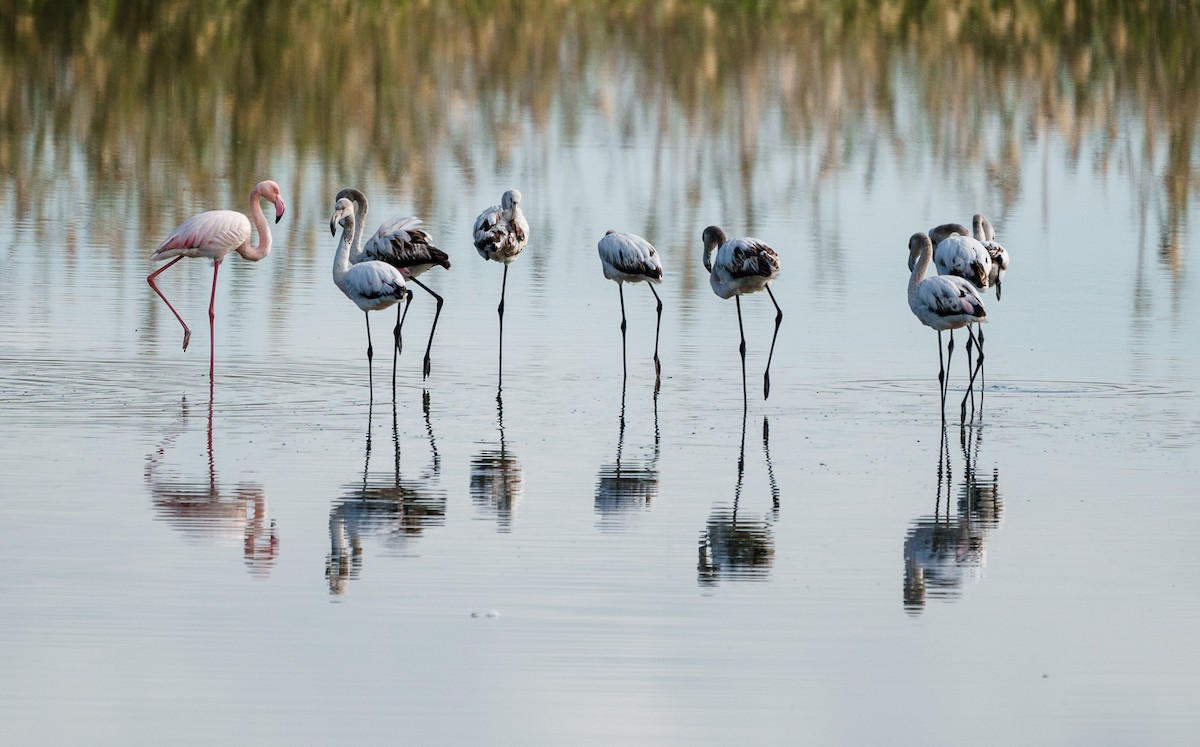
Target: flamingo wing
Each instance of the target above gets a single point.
(951, 296)
(965, 257)
(374, 285)
(623, 254)
(400, 243)
(746, 257)
(210, 234)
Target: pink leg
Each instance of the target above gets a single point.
(187, 333)
(212, 314)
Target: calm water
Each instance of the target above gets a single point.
(277, 559)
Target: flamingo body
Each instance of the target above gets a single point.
(501, 231)
(999, 255)
(965, 257)
(737, 267)
(628, 258)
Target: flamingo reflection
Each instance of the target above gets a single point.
(497, 478)
(628, 485)
(392, 507)
(202, 510)
(733, 546)
(944, 552)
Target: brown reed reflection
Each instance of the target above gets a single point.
(946, 551)
(149, 96)
(203, 510)
(393, 508)
(734, 546)
(627, 486)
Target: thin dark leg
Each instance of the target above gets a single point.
(500, 311)
(946, 386)
(941, 377)
(398, 347)
(979, 361)
(657, 327)
(621, 292)
(778, 320)
(212, 315)
(187, 333)
(370, 357)
(742, 352)
(970, 380)
(436, 314)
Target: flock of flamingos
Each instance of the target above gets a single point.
(375, 276)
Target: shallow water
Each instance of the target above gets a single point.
(553, 557)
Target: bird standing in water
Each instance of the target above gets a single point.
(737, 267)
(628, 258)
(213, 235)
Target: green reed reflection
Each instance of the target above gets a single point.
(157, 94)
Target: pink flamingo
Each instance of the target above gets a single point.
(214, 234)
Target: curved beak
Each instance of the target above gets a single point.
(997, 290)
(279, 208)
(332, 227)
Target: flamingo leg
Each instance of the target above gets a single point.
(941, 377)
(946, 385)
(778, 320)
(657, 327)
(500, 311)
(970, 380)
(503, 285)
(187, 333)
(398, 347)
(433, 329)
(742, 352)
(370, 357)
(212, 315)
(621, 291)
(979, 360)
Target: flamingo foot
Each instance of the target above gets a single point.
(427, 367)
(187, 337)
(766, 385)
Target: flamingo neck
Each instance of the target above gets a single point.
(920, 267)
(360, 220)
(341, 260)
(255, 253)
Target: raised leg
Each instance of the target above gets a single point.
(970, 393)
(187, 333)
(621, 292)
(778, 320)
(437, 312)
(398, 347)
(657, 327)
(212, 315)
(742, 352)
(979, 360)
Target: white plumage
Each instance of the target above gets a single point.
(401, 243)
(942, 302)
(500, 233)
(372, 285)
(628, 258)
(737, 267)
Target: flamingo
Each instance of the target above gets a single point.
(942, 302)
(372, 285)
(628, 258)
(982, 229)
(737, 267)
(403, 245)
(957, 252)
(500, 234)
(213, 235)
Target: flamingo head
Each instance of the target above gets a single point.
(981, 228)
(269, 191)
(918, 244)
(355, 196)
(946, 230)
(712, 237)
(343, 215)
(510, 199)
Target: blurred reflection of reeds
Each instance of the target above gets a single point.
(147, 96)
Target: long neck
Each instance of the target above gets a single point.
(920, 267)
(360, 220)
(341, 260)
(255, 253)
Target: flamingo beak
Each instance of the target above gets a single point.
(279, 208)
(997, 290)
(333, 228)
